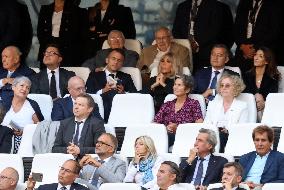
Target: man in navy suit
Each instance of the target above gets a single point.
(111, 81)
(262, 165)
(202, 168)
(203, 79)
(68, 172)
(63, 107)
(11, 69)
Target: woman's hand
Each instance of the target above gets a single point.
(30, 183)
(18, 132)
(138, 157)
(260, 103)
(172, 127)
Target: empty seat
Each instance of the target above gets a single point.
(45, 103)
(131, 44)
(26, 146)
(135, 75)
(82, 72)
(230, 158)
(12, 160)
(171, 157)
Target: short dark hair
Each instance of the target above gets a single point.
(77, 167)
(113, 140)
(264, 129)
(54, 45)
(90, 100)
(118, 50)
(227, 52)
(238, 167)
(174, 170)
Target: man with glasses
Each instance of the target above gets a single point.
(53, 79)
(68, 172)
(107, 168)
(63, 107)
(111, 81)
(11, 68)
(9, 178)
(78, 135)
(150, 56)
(115, 40)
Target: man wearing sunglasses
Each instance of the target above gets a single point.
(9, 178)
(107, 168)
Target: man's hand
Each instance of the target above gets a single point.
(30, 183)
(260, 103)
(17, 132)
(88, 159)
(192, 154)
(73, 149)
(200, 187)
(207, 93)
(7, 81)
(251, 184)
(248, 51)
(107, 88)
(172, 127)
(138, 156)
(228, 184)
(120, 89)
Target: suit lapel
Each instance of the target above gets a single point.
(43, 81)
(268, 163)
(210, 168)
(84, 131)
(250, 163)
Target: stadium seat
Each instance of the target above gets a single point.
(280, 147)
(12, 160)
(186, 135)
(98, 99)
(273, 110)
(131, 44)
(157, 132)
(230, 158)
(45, 103)
(82, 72)
(135, 75)
(281, 82)
(124, 186)
(171, 157)
(26, 146)
(48, 164)
(197, 97)
(218, 185)
(273, 186)
(252, 112)
(235, 69)
(36, 69)
(154, 71)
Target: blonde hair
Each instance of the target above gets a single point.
(176, 64)
(238, 84)
(149, 144)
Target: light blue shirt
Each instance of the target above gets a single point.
(257, 168)
(205, 166)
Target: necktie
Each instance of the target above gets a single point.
(63, 188)
(253, 12)
(112, 75)
(199, 173)
(76, 136)
(96, 176)
(214, 80)
(194, 9)
(52, 86)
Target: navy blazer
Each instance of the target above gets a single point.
(91, 131)
(97, 81)
(273, 170)
(40, 83)
(53, 186)
(213, 174)
(63, 108)
(202, 79)
(6, 135)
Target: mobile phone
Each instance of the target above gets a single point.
(37, 176)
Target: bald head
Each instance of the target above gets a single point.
(9, 179)
(11, 58)
(76, 86)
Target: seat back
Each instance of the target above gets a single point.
(98, 99)
(82, 72)
(197, 97)
(124, 186)
(131, 44)
(186, 135)
(235, 69)
(26, 146)
(230, 158)
(36, 69)
(131, 108)
(135, 75)
(273, 110)
(170, 157)
(273, 186)
(45, 104)
(48, 164)
(250, 100)
(12, 160)
(280, 146)
(157, 132)
(281, 82)
(185, 71)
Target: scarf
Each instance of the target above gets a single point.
(146, 166)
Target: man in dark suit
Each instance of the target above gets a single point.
(257, 23)
(205, 79)
(115, 39)
(63, 107)
(201, 167)
(78, 135)
(68, 172)
(11, 69)
(232, 177)
(111, 81)
(53, 79)
(204, 23)
(263, 165)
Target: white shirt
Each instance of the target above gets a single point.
(56, 22)
(205, 166)
(49, 74)
(67, 186)
(103, 13)
(80, 128)
(8, 76)
(213, 75)
(107, 78)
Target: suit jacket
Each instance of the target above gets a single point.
(238, 112)
(221, 188)
(92, 129)
(202, 79)
(213, 174)
(63, 108)
(97, 81)
(53, 186)
(40, 80)
(6, 135)
(268, 84)
(130, 60)
(148, 55)
(112, 171)
(273, 170)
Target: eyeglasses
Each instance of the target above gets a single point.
(100, 143)
(164, 38)
(225, 85)
(117, 38)
(79, 89)
(4, 177)
(62, 169)
(51, 53)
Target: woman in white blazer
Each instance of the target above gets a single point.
(225, 109)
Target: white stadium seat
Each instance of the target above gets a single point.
(235, 69)
(250, 100)
(15, 161)
(82, 72)
(45, 103)
(135, 76)
(26, 146)
(120, 186)
(273, 186)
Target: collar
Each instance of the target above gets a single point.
(49, 71)
(83, 120)
(205, 158)
(67, 186)
(105, 160)
(164, 51)
(265, 156)
(220, 70)
(108, 72)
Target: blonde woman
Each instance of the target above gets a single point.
(145, 165)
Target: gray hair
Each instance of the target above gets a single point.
(237, 82)
(116, 31)
(212, 139)
(20, 79)
(188, 81)
(165, 29)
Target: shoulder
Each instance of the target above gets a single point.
(277, 154)
(248, 156)
(78, 186)
(203, 71)
(191, 101)
(48, 186)
(33, 103)
(240, 104)
(67, 121)
(177, 47)
(219, 159)
(66, 72)
(120, 73)
(129, 52)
